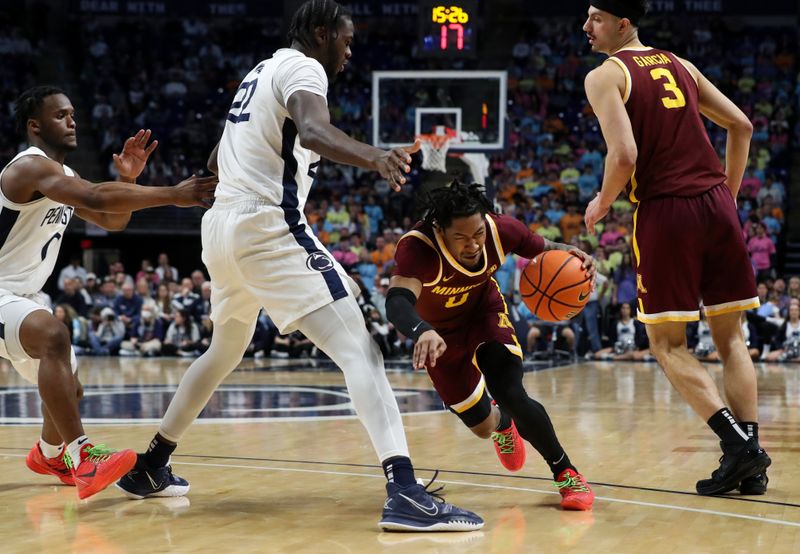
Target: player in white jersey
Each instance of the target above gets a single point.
(38, 197)
(260, 252)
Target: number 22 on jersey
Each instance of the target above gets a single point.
(677, 99)
(243, 96)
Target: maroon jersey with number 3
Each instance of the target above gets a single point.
(675, 156)
(452, 295)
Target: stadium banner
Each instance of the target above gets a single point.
(236, 8)
(682, 7)
(179, 8)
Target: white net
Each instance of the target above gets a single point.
(434, 152)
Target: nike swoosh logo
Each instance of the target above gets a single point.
(152, 482)
(445, 279)
(414, 328)
(90, 474)
(431, 511)
(80, 442)
(582, 296)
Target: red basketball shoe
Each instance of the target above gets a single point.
(99, 467)
(38, 463)
(510, 448)
(575, 491)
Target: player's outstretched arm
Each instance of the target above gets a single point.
(129, 164)
(718, 108)
(603, 90)
(47, 177)
(400, 311)
(310, 113)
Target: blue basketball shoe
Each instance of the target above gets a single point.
(413, 508)
(148, 482)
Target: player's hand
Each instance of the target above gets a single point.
(587, 263)
(430, 346)
(393, 164)
(595, 211)
(195, 191)
(131, 161)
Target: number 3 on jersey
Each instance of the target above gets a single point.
(677, 100)
(240, 101)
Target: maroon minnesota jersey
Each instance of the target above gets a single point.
(452, 294)
(675, 154)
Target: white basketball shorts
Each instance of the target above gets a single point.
(13, 311)
(261, 255)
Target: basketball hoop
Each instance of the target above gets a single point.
(434, 151)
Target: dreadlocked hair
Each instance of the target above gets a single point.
(29, 103)
(444, 204)
(313, 14)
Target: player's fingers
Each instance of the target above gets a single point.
(116, 157)
(145, 138)
(399, 161)
(398, 178)
(420, 353)
(413, 148)
(149, 149)
(436, 352)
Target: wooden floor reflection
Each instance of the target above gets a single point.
(277, 465)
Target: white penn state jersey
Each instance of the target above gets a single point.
(30, 237)
(260, 153)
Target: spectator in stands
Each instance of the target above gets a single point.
(367, 270)
(548, 230)
(73, 297)
(761, 249)
(204, 307)
(165, 310)
(786, 344)
(145, 292)
(187, 300)
(182, 336)
(588, 184)
(198, 278)
(625, 280)
(571, 223)
(128, 307)
(109, 334)
(72, 271)
(147, 338)
(627, 336)
(164, 270)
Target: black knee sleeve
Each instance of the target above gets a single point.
(503, 373)
(477, 413)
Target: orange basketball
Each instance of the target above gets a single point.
(554, 286)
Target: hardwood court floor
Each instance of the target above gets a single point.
(309, 481)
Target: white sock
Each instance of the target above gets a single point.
(74, 449)
(50, 450)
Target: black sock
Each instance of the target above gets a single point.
(159, 451)
(559, 465)
(399, 470)
(505, 421)
(751, 428)
(727, 429)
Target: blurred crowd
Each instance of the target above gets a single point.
(179, 81)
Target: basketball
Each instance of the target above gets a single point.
(554, 286)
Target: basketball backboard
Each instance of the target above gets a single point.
(409, 103)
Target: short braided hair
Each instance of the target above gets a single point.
(444, 204)
(313, 14)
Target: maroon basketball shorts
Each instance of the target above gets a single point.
(456, 376)
(690, 250)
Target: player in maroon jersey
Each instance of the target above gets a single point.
(443, 295)
(687, 241)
